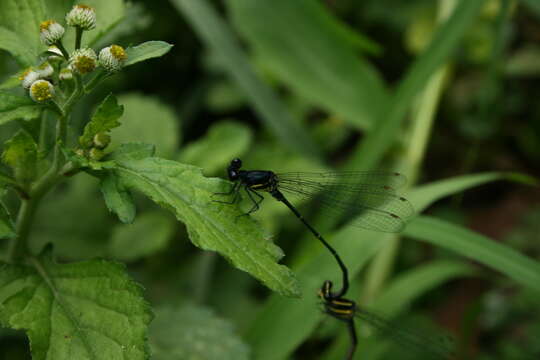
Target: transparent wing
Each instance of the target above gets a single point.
(369, 194)
(420, 341)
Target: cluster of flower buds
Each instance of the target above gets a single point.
(81, 61)
(94, 149)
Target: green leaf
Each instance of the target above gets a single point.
(220, 40)
(118, 199)
(20, 153)
(444, 42)
(133, 151)
(146, 50)
(303, 44)
(148, 120)
(13, 107)
(194, 332)
(424, 195)
(19, 33)
(104, 119)
(77, 232)
(508, 261)
(149, 234)
(7, 228)
(212, 226)
(223, 142)
(87, 310)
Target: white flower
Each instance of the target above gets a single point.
(50, 32)
(83, 61)
(41, 90)
(65, 74)
(112, 58)
(45, 70)
(28, 77)
(82, 16)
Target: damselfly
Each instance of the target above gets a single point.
(368, 194)
(348, 311)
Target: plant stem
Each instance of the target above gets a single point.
(78, 37)
(62, 49)
(19, 245)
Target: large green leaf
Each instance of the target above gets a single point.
(212, 226)
(388, 125)
(88, 310)
(13, 107)
(220, 40)
(303, 44)
(15, 45)
(194, 332)
(467, 243)
(223, 142)
(148, 120)
(19, 33)
(20, 153)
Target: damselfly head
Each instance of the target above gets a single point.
(232, 170)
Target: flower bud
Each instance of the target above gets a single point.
(101, 140)
(81, 152)
(65, 74)
(83, 61)
(45, 70)
(41, 90)
(50, 32)
(95, 154)
(82, 16)
(112, 58)
(28, 77)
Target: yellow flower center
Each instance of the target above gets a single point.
(85, 64)
(118, 52)
(26, 72)
(44, 25)
(84, 7)
(41, 91)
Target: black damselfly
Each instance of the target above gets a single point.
(370, 193)
(347, 311)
